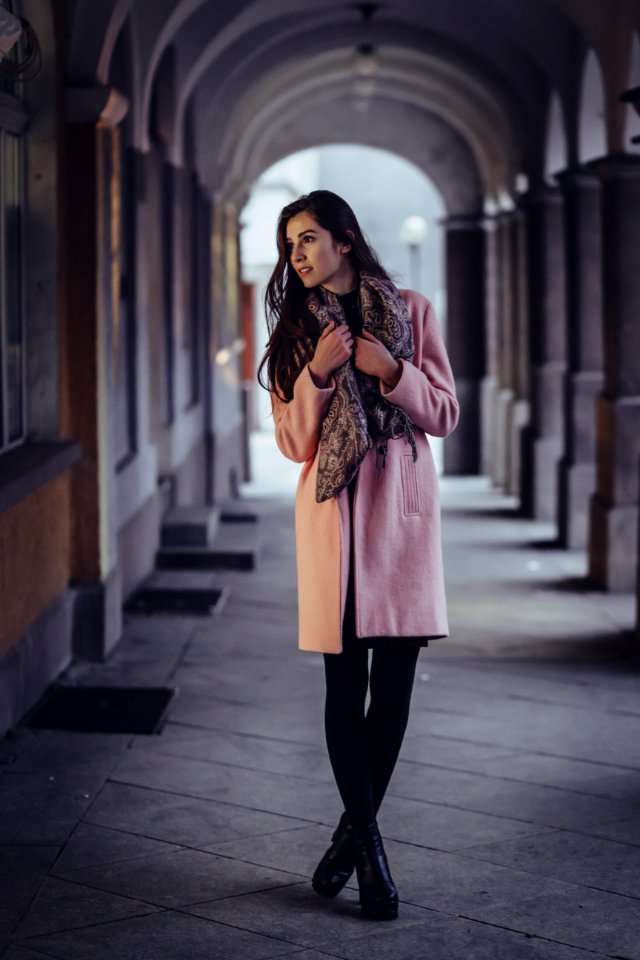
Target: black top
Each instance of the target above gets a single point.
(351, 306)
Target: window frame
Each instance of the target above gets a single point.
(13, 121)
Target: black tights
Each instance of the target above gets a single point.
(363, 749)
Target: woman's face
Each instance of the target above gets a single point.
(317, 258)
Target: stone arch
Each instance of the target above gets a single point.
(162, 114)
(556, 147)
(94, 32)
(292, 94)
(123, 76)
(592, 132)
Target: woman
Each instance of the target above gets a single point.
(358, 374)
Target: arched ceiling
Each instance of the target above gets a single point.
(293, 103)
(483, 71)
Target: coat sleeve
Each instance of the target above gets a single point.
(298, 422)
(426, 390)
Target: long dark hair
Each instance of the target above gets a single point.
(293, 332)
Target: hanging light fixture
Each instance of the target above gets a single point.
(365, 60)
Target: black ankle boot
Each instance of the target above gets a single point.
(337, 865)
(378, 895)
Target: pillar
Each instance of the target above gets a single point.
(489, 388)
(543, 441)
(519, 339)
(613, 546)
(90, 271)
(584, 377)
(465, 273)
(505, 394)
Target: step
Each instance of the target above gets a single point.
(238, 511)
(237, 546)
(189, 526)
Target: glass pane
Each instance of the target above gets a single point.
(14, 360)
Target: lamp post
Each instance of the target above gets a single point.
(412, 231)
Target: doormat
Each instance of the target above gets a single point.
(192, 601)
(101, 709)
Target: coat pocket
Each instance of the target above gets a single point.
(410, 489)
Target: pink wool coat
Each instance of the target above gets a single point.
(398, 576)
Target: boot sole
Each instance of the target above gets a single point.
(380, 911)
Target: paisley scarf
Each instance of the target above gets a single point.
(358, 415)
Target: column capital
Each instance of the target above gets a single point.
(100, 105)
(464, 221)
(616, 166)
(545, 194)
(580, 176)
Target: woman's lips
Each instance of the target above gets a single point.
(304, 270)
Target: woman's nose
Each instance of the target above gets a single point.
(299, 254)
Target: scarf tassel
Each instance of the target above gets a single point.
(381, 458)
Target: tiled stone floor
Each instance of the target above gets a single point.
(512, 823)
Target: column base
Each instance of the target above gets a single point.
(546, 453)
(35, 661)
(502, 445)
(576, 484)
(520, 417)
(613, 545)
(488, 403)
(97, 618)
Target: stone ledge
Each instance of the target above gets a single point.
(32, 465)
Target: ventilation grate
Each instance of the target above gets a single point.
(194, 601)
(101, 709)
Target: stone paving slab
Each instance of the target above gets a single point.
(179, 878)
(24, 869)
(61, 905)
(294, 914)
(162, 936)
(90, 845)
(180, 819)
(569, 913)
(453, 939)
(251, 752)
(602, 864)
(512, 822)
(253, 789)
(529, 802)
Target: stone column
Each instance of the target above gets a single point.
(521, 406)
(543, 442)
(90, 272)
(465, 279)
(613, 546)
(489, 387)
(505, 350)
(584, 377)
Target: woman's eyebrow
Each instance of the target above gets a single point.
(302, 233)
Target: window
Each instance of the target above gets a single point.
(12, 351)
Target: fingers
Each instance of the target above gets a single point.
(328, 329)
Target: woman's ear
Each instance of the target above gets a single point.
(346, 247)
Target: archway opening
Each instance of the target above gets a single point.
(384, 190)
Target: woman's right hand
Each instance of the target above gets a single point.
(334, 348)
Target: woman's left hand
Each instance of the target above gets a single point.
(372, 357)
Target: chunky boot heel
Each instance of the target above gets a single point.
(378, 895)
(337, 864)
